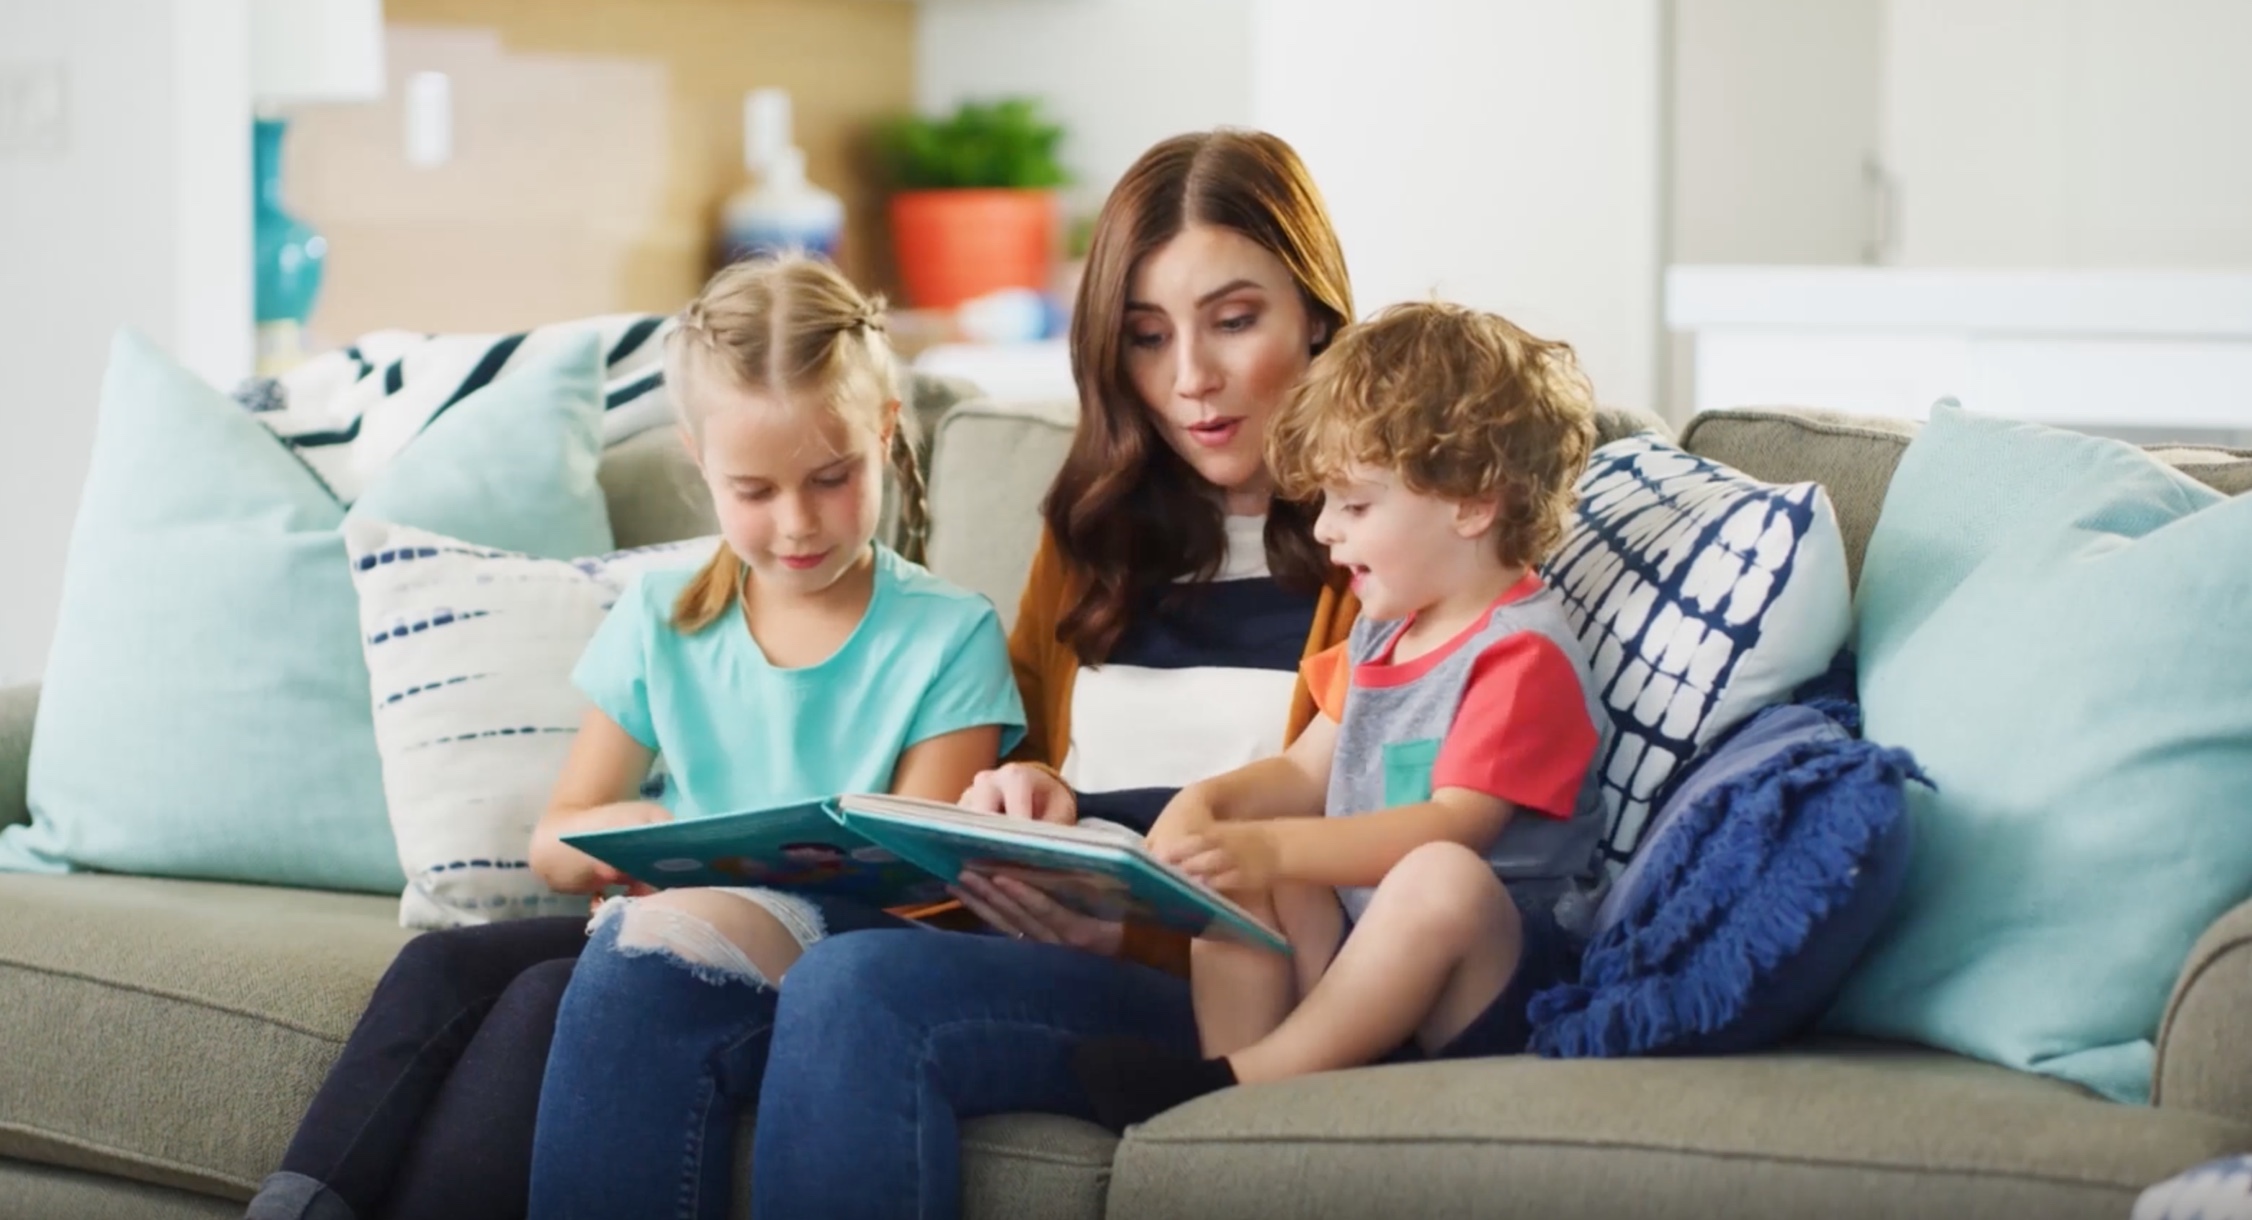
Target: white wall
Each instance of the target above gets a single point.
(2070, 133)
(140, 218)
(1774, 119)
(1503, 153)
(1120, 74)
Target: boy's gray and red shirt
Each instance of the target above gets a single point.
(1507, 708)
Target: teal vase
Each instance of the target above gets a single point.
(289, 253)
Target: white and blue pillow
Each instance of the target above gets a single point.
(346, 413)
(469, 655)
(1700, 595)
(2215, 1190)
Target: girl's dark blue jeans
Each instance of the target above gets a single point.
(659, 1049)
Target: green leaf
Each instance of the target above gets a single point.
(1001, 143)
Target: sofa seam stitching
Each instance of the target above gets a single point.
(83, 1144)
(2227, 455)
(1634, 1146)
(1769, 415)
(179, 997)
(2197, 972)
(1045, 1158)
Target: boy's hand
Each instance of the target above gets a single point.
(1189, 813)
(1234, 856)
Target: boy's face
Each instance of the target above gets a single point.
(1407, 552)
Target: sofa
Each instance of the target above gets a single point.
(159, 1038)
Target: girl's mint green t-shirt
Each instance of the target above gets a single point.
(738, 733)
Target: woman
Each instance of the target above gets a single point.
(1157, 640)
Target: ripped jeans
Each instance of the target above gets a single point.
(659, 1048)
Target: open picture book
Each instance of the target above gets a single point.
(892, 851)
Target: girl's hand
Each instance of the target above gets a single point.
(567, 870)
(1233, 856)
(1021, 790)
(1011, 906)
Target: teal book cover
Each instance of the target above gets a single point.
(892, 851)
(800, 848)
(1095, 868)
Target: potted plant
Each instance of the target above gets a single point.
(975, 205)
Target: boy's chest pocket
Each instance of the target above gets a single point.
(1407, 771)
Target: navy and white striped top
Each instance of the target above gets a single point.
(1199, 684)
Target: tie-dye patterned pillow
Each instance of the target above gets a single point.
(2215, 1190)
(469, 653)
(1701, 596)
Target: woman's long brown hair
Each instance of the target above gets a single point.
(1127, 513)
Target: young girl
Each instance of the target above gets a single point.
(804, 660)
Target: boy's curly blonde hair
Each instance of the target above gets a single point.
(1456, 403)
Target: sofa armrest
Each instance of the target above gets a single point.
(17, 703)
(2204, 1057)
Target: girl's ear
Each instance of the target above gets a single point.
(688, 444)
(891, 424)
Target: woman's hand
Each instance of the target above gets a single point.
(567, 870)
(1021, 790)
(1235, 856)
(1011, 906)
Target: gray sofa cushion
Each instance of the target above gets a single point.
(174, 1031)
(19, 705)
(1836, 1130)
(990, 466)
(1853, 457)
(45, 1192)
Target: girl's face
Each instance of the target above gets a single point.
(798, 492)
(1216, 334)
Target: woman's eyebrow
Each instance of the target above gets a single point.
(1235, 285)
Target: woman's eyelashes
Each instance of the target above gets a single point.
(1232, 324)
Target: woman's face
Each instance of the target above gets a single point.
(1216, 334)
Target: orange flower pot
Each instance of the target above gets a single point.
(954, 245)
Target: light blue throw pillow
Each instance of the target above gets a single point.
(205, 710)
(2057, 626)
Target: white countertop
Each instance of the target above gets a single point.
(2051, 302)
(2160, 352)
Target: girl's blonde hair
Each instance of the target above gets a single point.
(796, 329)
